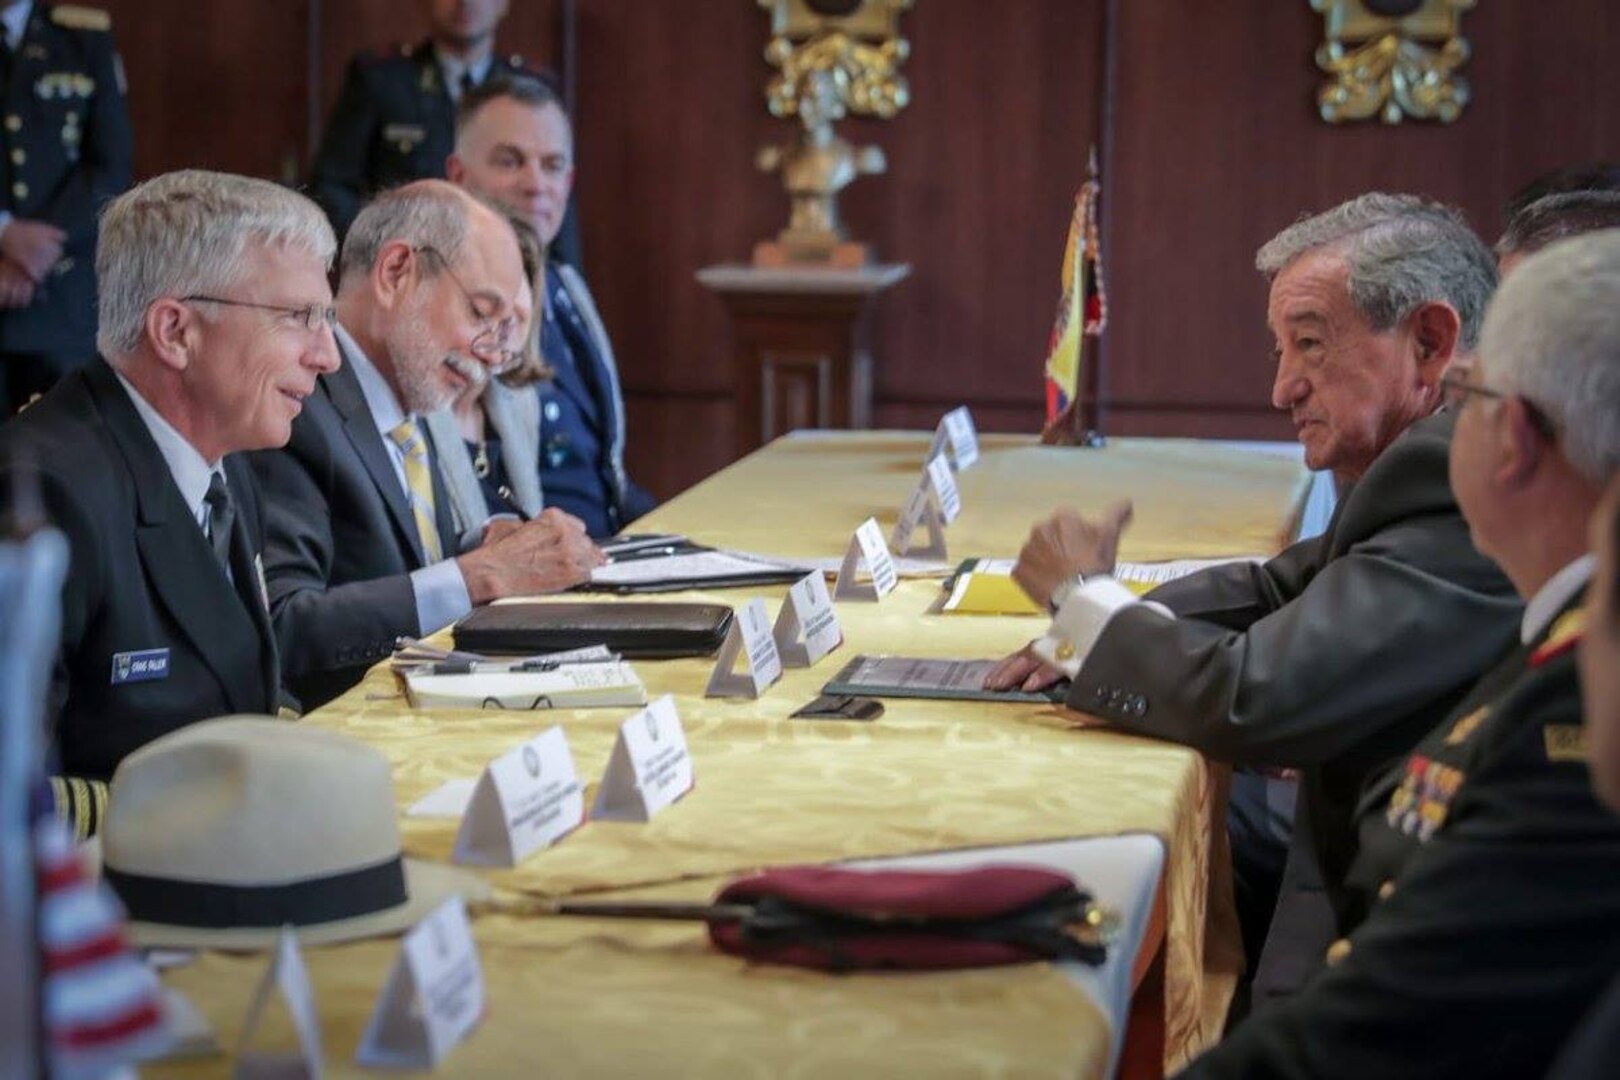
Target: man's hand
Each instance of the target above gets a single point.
(499, 528)
(35, 246)
(1067, 544)
(1023, 670)
(16, 287)
(547, 554)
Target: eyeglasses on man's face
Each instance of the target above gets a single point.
(494, 342)
(313, 317)
(1455, 388)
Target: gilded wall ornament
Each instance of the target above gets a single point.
(833, 57)
(1392, 59)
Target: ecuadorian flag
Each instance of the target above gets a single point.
(1081, 306)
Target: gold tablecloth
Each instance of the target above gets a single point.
(595, 998)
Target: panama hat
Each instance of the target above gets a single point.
(221, 832)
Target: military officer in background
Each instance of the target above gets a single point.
(67, 150)
(515, 147)
(395, 121)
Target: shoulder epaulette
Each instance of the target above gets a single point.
(75, 17)
(1563, 636)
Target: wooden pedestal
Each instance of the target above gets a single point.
(801, 355)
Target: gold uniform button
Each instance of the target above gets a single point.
(1338, 951)
(1064, 651)
(1386, 890)
(19, 157)
(13, 122)
(20, 190)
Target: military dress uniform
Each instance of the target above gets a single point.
(1486, 870)
(67, 152)
(582, 420)
(396, 122)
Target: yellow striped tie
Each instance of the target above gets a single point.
(420, 481)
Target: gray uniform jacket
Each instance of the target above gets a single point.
(1336, 656)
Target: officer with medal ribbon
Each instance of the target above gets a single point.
(1480, 914)
(66, 151)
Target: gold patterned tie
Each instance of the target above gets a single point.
(419, 479)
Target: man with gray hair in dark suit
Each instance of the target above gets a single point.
(360, 545)
(1340, 653)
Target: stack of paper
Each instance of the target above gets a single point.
(567, 686)
(699, 569)
(986, 587)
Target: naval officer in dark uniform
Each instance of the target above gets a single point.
(395, 121)
(214, 323)
(66, 153)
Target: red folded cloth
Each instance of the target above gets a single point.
(842, 920)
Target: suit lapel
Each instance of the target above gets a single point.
(580, 380)
(247, 567)
(172, 547)
(360, 427)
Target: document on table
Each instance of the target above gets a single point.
(691, 570)
(905, 567)
(916, 677)
(986, 587)
(568, 686)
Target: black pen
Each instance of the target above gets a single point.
(635, 554)
(511, 500)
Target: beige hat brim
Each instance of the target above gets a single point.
(427, 885)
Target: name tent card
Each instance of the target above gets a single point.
(807, 626)
(957, 434)
(750, 635)
(650, 767)
(867, 551)
(289, 978)
(434, 995)
(920, 512)
(527, 799)
(946, 493)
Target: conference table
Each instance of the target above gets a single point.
(929, 779)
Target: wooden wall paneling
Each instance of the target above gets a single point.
(218, 85)
(670, 114)
(983, 166)
(1219, 146)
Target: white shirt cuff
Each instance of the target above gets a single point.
(1082, 619)
(441, 596)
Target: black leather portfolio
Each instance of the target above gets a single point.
(630, 629)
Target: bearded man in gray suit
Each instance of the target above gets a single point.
(1339, 654)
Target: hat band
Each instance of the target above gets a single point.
(301, 903)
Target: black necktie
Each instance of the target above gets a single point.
(221, 515)
(467, 82)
